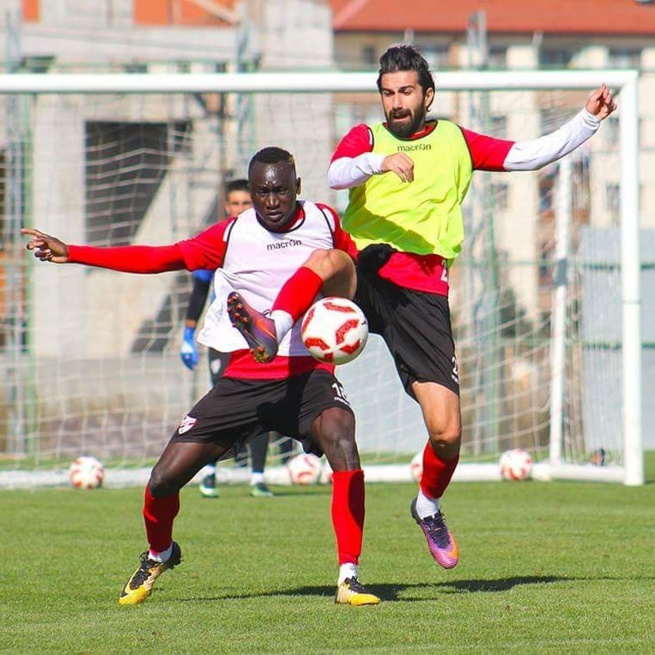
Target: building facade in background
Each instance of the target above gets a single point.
(81, 348)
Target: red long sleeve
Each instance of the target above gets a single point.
(129, 259)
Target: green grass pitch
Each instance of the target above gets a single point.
(545, 568)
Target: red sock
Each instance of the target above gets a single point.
(158, 515)
(437, 473)
(348, 514)
(298, 292)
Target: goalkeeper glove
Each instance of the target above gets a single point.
(189, 350)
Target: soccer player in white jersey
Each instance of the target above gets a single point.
(407, 178)
(237, 200)
(253, 254)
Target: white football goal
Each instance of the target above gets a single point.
(545, 299)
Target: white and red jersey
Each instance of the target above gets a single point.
(353, 162)
(250, 259)
(256, 263)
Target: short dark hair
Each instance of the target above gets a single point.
(240, 184)
(272, 155)
(406, 58)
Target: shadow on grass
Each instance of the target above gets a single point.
(403, 592)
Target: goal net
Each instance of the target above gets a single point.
(545, 297)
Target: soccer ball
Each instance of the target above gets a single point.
(86, 473)
(416, 467)
(334, 330)
(304, 469)
(515, 464)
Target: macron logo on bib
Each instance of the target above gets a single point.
(284, 244)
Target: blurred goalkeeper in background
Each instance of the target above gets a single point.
(237, 199)
(407, 178)
(253, 254)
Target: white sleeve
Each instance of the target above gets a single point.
(347, 172)
(532, 155)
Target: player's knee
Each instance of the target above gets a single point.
(446, 435)
(340, 446)
(343, 442)
(161, 485)
(328, 263)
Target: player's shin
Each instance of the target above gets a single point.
(437, 472)
(348, 514)
(348, 521)
(158, 516)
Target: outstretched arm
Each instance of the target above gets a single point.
(127, 259)
(534, 154)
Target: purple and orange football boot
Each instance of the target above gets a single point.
(441, 542)
(258, 330)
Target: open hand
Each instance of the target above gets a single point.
(601, 103)
(45, 247)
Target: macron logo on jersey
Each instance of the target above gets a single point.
(290, 243)
(414, 146)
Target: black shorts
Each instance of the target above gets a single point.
(416, 328)
(235, 410)
(218, 362)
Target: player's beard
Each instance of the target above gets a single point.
(406, 129)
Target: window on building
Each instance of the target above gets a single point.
(369, 57)
(546, 186)
(437, 56)
(36, 64)
(125, 165)
(500, 195)
(555, 57)
(546, 255)
(497, 57)
(610, 132)
(552, 118)
(581, 186)
(3, 208)
(499, 126)
(613, 202)
(136, 67)
(624, 57)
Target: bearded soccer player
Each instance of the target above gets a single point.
(253, 254)
(407, 178)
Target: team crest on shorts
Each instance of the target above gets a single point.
(455, 373)
(186, 424)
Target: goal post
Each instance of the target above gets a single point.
(92, 355)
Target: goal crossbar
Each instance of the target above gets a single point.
(302, 82)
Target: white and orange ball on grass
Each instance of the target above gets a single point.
(334, 330)
(86, 472)
(305, 469)
(515, 464)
